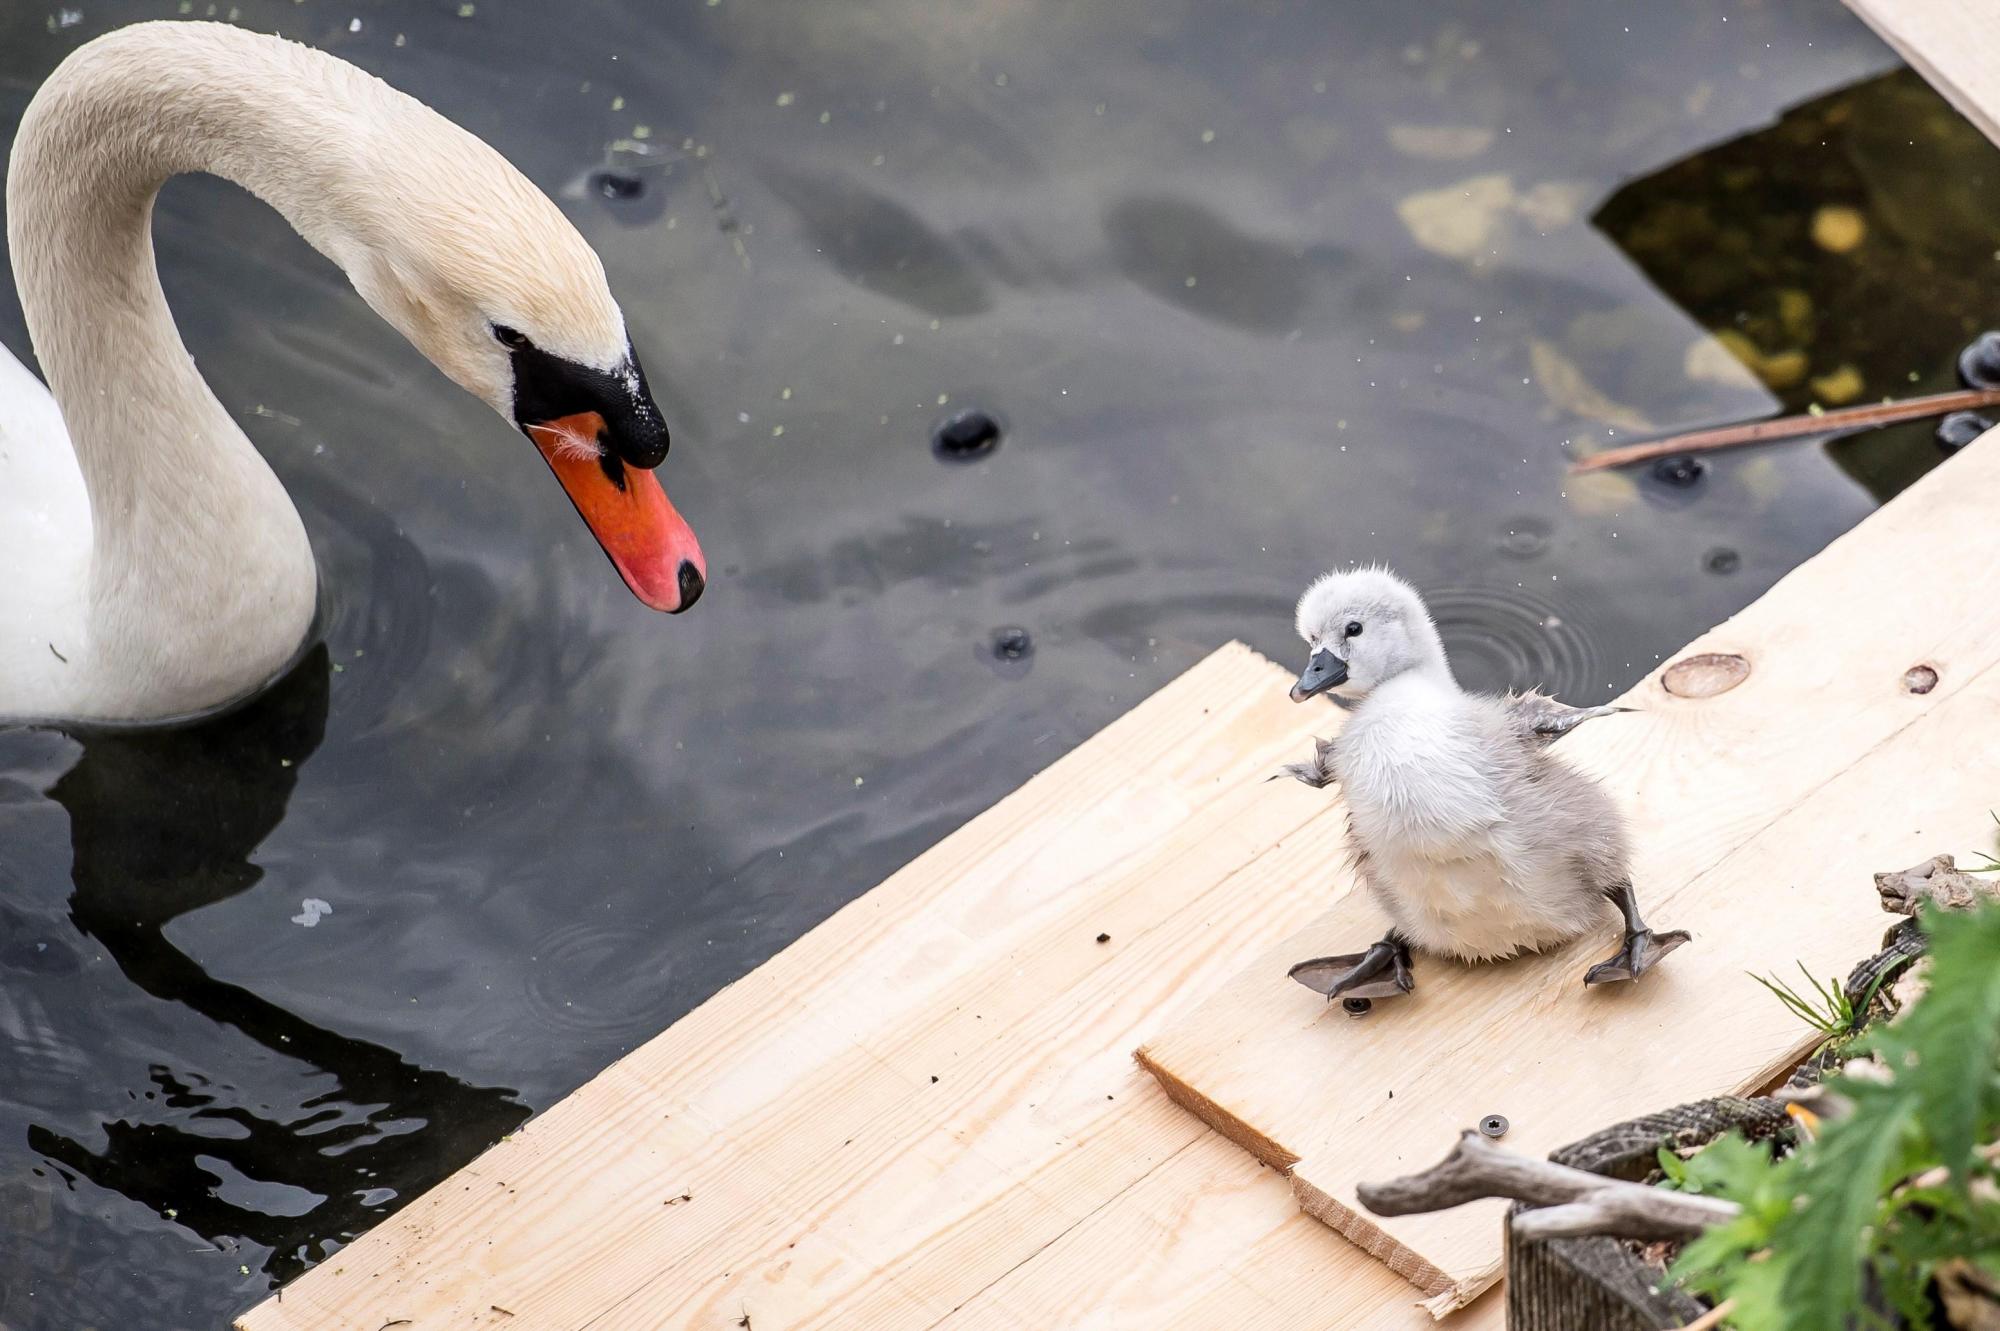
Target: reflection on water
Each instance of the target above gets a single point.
(1251, 290)
(165, 823)
(1842, 255)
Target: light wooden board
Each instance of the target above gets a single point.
(1758, 816)
(1953, 43)
(924, 1113)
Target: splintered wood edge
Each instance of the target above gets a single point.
(1443, 1294)
(1266, 1151)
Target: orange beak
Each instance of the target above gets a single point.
(650, 544)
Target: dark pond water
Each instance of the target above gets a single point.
(1250, 288)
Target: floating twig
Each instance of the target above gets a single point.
(1843, 421)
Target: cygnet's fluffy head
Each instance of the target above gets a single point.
(1362, 628)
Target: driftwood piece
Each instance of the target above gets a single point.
(1568, 1202)
(1938, 881)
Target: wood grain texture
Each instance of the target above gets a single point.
(1953, 43)
(1759, 814)
(924, 1113)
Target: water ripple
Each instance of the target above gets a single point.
(1509, 638)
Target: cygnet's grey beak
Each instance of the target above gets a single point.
(1323, 671)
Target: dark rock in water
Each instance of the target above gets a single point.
(1683, 471)
(1979, 363)
(1961, 427)
(1012, 643)
(966, 436)
(617, 185)
(1722, 560)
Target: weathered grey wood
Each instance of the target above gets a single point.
(1939, 882)
(1595, 1283)
(1567, 1201)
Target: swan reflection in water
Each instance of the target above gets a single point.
(163, 823)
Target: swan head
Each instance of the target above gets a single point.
(1362, 628)
(487, 278)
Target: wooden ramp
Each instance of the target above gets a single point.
(1862, 738)
(925, 1112)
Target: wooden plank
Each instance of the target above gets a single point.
(1758, 814)
(1953, 43)
(1210, 1239)
(919, 1097)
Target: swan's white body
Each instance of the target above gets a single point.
(44, 538)
(151, 565)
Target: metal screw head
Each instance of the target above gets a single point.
(1494, 1125)
(1357, 1007)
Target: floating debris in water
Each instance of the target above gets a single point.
(1012, 643)
(1838, 229)
(1682, 471)
(1959, 429)
(966, 436)
(311, 910)
(1840, 387)
(617, 185)
(1009, 652)
(1524, 538)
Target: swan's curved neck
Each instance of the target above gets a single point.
(201, 582)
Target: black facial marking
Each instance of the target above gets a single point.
(548, 387)
(612, 465)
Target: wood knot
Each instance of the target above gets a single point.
(1706, 675)
(1920, 679)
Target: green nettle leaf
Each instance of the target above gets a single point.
(1848, 1170)
(1675, 1169)
(1815, 1223)
(1730, 1167)
(1945, 1050)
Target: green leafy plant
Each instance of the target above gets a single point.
(1888, 1193)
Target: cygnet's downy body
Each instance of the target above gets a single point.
(1476, 841)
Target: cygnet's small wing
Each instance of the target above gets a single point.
(1540, 720)
(1316, 771)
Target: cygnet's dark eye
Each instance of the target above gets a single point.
(1353, 628)
(508, 337)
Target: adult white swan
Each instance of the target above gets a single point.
(151, 565)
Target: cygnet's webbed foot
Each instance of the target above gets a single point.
(1636, 957)
(1642, 948)
(1383, 971)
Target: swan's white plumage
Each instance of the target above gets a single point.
(147, 542)
(44, 536)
